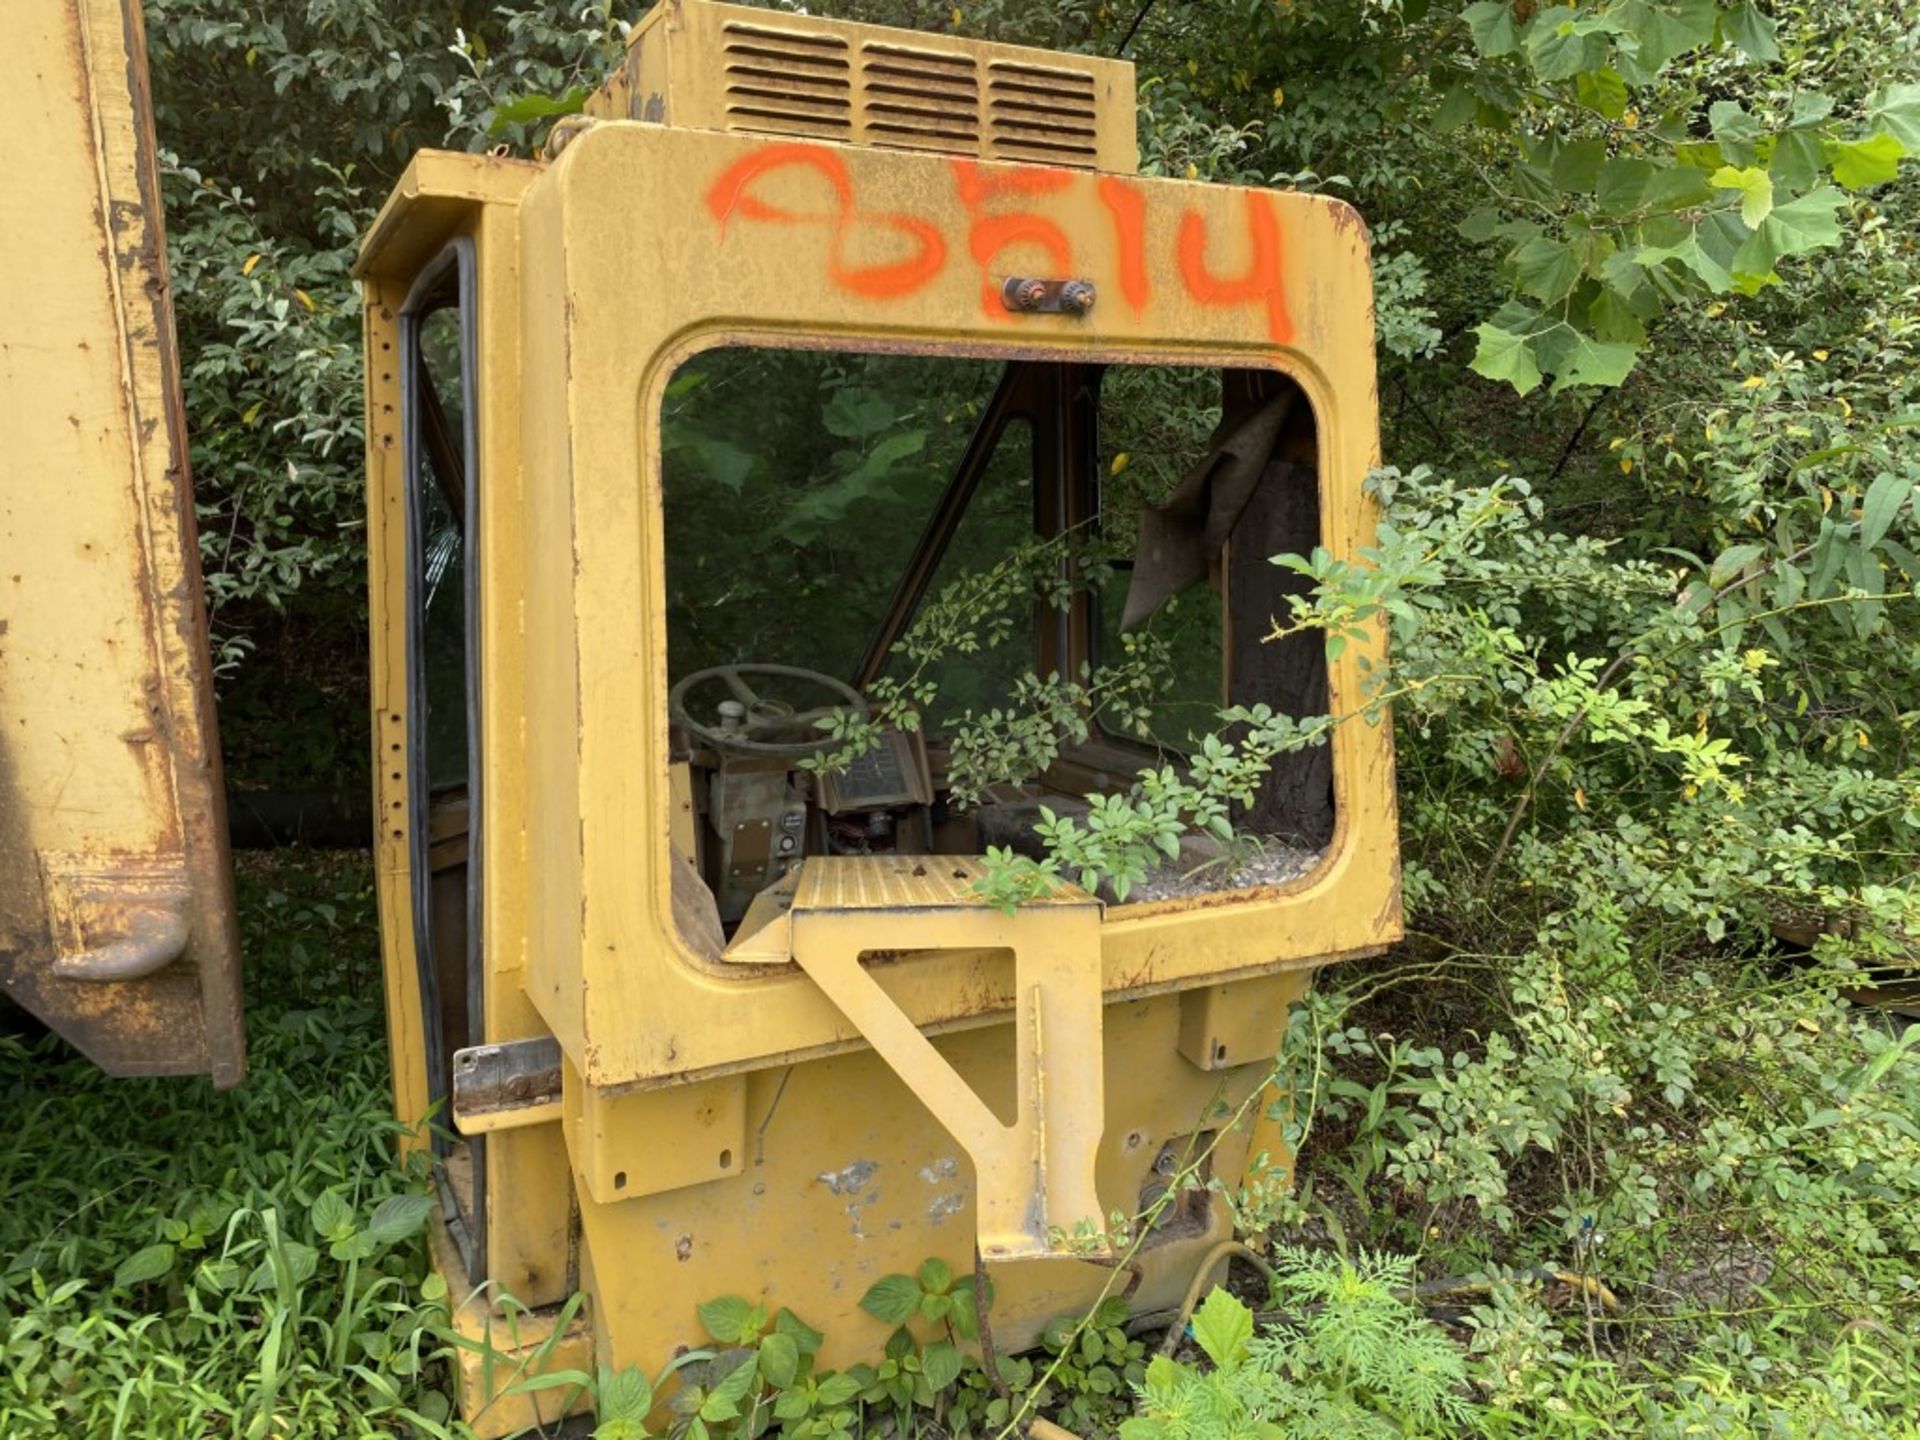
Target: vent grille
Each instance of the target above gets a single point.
(813, 83)
(787, 82)
(1037, 112)
(920, 99)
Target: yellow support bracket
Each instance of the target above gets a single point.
(1034, 1177)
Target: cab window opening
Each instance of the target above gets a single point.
(977, 589)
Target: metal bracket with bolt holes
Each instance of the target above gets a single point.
(506, 1086)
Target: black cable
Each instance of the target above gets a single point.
(1132, 29)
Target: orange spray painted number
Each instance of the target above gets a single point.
(732, 195)
(1000, 218)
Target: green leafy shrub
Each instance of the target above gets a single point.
(180, 1261)
(1348, 1357)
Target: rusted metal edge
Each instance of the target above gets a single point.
(153, 936)
(433, 199)
(507, 1085)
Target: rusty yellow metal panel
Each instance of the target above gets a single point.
(116, 908)
(443, 197)
(497, 1351)
(813, 1115)
(751, 71)
(785, 242)
(847, 1179)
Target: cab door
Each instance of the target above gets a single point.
(116, 892)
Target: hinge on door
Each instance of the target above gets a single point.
(506, 1086)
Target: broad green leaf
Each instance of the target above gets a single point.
(143, 1266)
(1700, 154)
(1732, 561)
(1681, 187)
(332, 1217)
(888, 453)
(730, 1320)
(1560, 48)
(1885, 496)
(1829, 554)
(624, 1394)
(936, 1276)
(300, 1261)
(528, 108)
(1808, 223)
(1457, 107)
(1896, 110)
(1503, 355)
(806, 1339)
(1663, 30)
(1796, 160)
(893, 1298)
(1533, 180)
(1223, 1327)
(399, 1216)
(966, 1309)
(837, 1390)
(854, 414)
(1163, 1376)
(1602, 91)
(1809, 108)
(1481, 224)
(725, 463)
(723, 1401)
(1575, 358)
(1492, 26)
(1731, 122)
(941, 1363)
(1576, 164)
(354, 1245)
(1613, 317)
(1545, 269)
(1860, 164)
(1864, 575)
(779, 1360)
(1747, 28)
(1622, 184)
(1756, 192)
(1878, 1067)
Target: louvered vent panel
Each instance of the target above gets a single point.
(920, 99)
(787, 82)
(1038, 112)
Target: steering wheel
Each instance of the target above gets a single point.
(763, 718)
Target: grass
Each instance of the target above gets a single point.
(180, 1262)
(183, 1262)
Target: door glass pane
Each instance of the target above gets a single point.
(445, 857)
(443, 579)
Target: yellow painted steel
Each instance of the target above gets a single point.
(699, 66)
(500, 1348)
(785, 1120)
(116, 910)
(1033, 1175)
